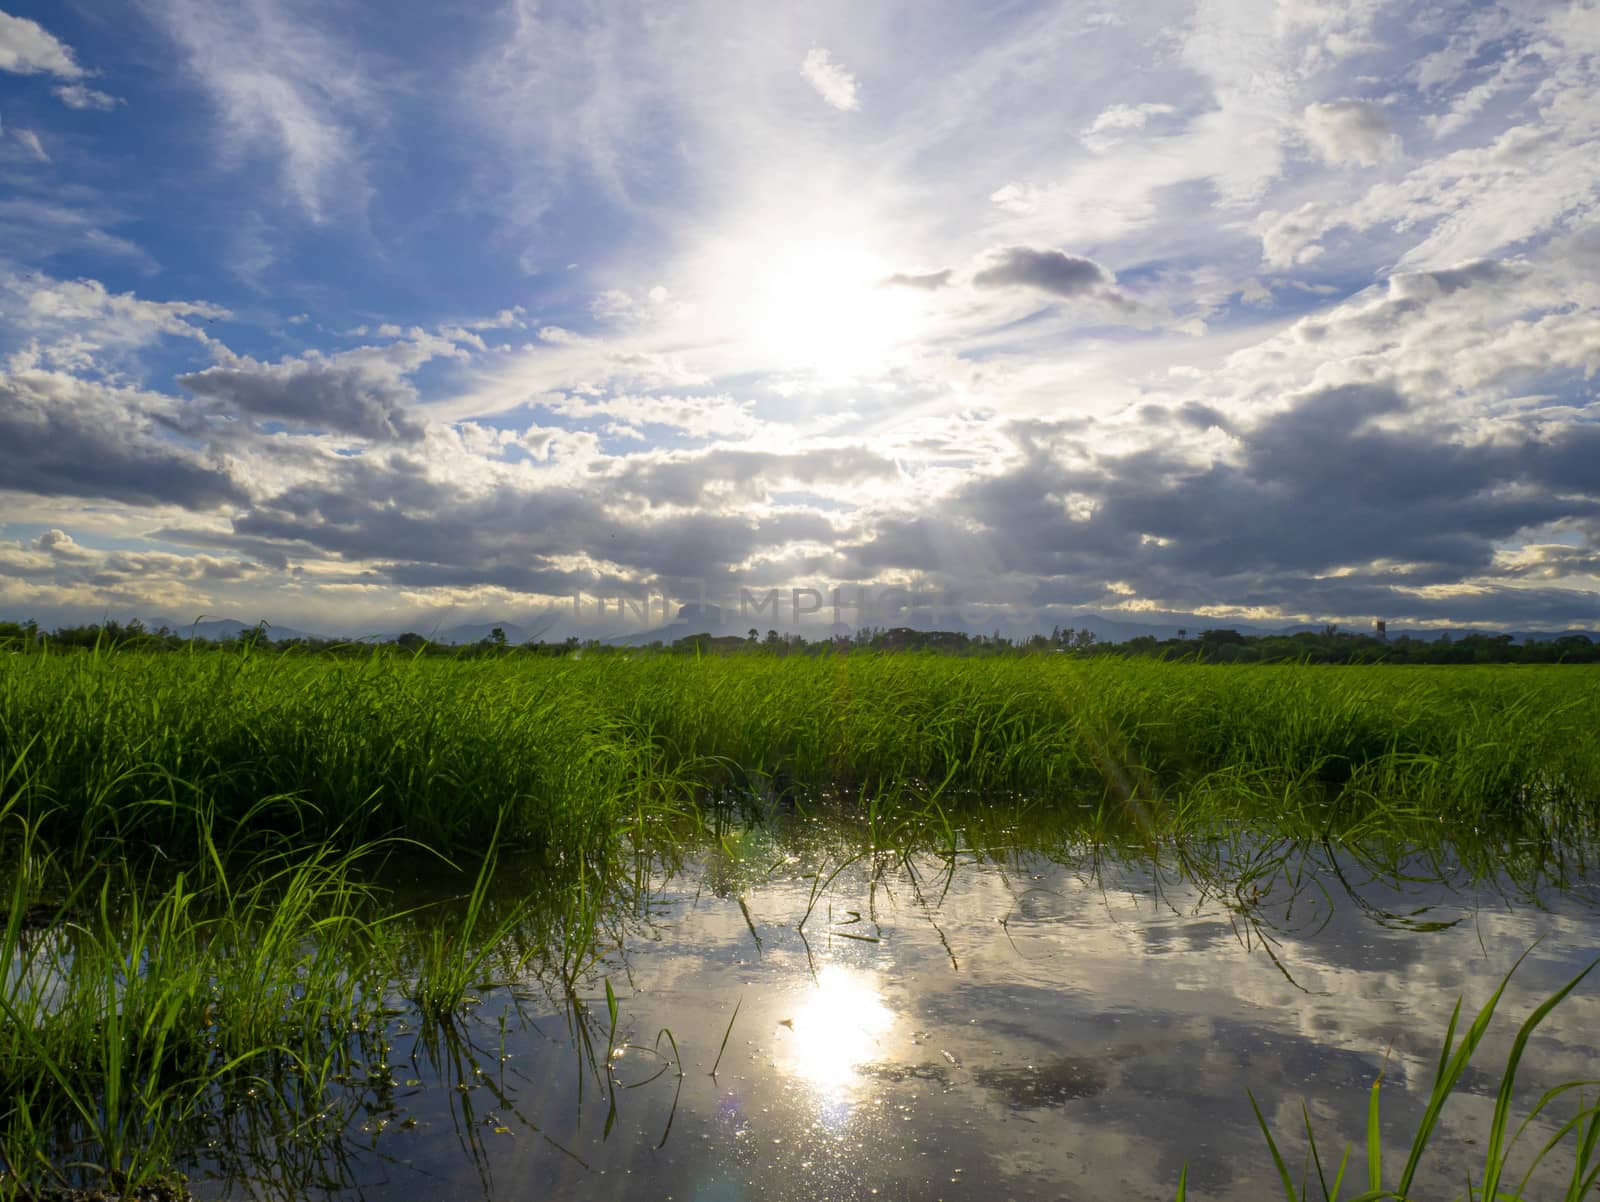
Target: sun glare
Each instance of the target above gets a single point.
(812, 298)
(838, 1027)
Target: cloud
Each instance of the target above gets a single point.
(1127, 116)
(63, 437)
(363, 392)
(81, 326)
(1351, 131)
(1340, 504)
(1531, 176)
(1291, 239)
(719, 416)
(27, 48)
(436, 517)
(723, 475)
(832, 82)
(930, 282)
(1016, 198)
(31, 140)
(1392, 417)
(284, 87)
(77, 96)
(1107, 129)
(48, 226)
(1051, 271)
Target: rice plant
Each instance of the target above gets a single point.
(195, 844)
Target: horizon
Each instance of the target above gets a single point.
(554, 627)
(1251, 312)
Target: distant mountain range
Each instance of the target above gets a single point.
(222, 628)
(230, 628)
(709, 620)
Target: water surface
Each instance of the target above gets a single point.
(1045, 1021)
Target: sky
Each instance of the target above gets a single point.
(357, 316)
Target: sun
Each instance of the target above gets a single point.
(825, 308)
(839, 1025)
(811, 296)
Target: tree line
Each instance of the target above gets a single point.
(1329, 645)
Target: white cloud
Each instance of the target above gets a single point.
(1351, 131)
(1290, 239)
(1531, 175)
(1016, 198)
(76, 96)
(718, 416)
(282, 86)
(31, 140)
(832, 82)
(80, 325)
(27, 48)
(1107, 129)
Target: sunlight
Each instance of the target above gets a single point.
(810, 297)
(836, 1029)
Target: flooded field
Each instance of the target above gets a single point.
(1045, 1021)
(759, 928)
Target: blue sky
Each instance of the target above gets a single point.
(355, 316)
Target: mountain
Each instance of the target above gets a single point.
(477, 632)
(218, 629)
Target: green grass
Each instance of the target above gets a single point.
(132, 747)
(193, 844)
(1581, 1129)
(131, 1011)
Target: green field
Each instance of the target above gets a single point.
(560, 751)
(198, 845)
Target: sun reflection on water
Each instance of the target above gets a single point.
(839, 1025)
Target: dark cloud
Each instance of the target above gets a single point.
(388, 511)
(1202, 417)
(268, 554)
(1426, 285)
(1343, 504)
(931, 282)
(63, 437)
(1049, 271)
(321, 394)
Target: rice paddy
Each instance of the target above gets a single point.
(251, 896)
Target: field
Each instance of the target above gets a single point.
(205, 932)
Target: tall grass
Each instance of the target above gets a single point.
(128, 1014)
(192, 841)
(564, 752)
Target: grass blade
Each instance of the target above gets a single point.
(726, 1034)
(1277, 1158)
(1495, 1155)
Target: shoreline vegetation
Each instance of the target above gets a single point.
(202, 949)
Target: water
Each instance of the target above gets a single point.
(1041, 1023)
